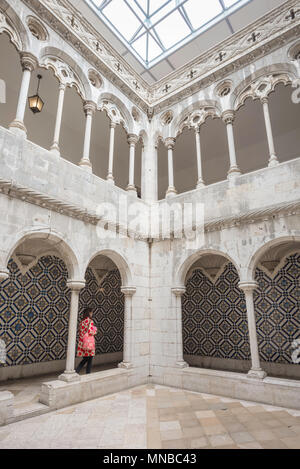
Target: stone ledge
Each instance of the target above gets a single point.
(59, 394)
(6, 407)
(276, 392)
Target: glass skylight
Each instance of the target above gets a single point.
(153, 29)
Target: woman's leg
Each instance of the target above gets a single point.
(89, 365)
(81, 364)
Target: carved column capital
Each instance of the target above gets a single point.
(76, 285)
(128, 291)
(264, 100)
(228, 117)
(28, 61)
(112, 125)
(179, 291)
(132, 139)
(89, 108)
(170, 143)
(248, 286)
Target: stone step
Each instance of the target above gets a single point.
(28, 411)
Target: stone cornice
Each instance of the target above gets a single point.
(28, 195)
(272, 31)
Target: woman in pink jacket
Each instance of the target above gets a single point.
(86, 343)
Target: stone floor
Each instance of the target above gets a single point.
(26, 391)
(156, 417)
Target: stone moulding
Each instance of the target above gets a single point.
(272, 31)
(12, 189)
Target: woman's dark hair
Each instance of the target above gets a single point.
(86, 312)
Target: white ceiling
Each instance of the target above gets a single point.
(221, 31)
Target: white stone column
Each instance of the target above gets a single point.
(128, 328)
(228, 119)
(132, 140)
(179, 292)
(170, 144)
(29, 63)
(256, 370)
(149, 171)
(89, 110)
(70, 374)
(61, 96)
(110, 176)
(200, 182)
(4, 274)
(273, 161)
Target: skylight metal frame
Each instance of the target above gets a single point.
(148, 25)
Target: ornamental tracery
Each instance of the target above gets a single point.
(63, 73)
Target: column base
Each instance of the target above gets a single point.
(182, 364)
(125, 365)
(234, 172)
(171, 192)
(131, 190)
(86, 165)
(273, 161)
(257, 374)
(69, 377)
(200, 184)
(4, 275)
(55, 149)
(18, 128)
(110, 179)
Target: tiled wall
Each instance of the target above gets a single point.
(108, 307)
(277, 306)
(214, 317)
(34, 312)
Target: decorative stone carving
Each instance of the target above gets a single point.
(197, 118)
(113, 113)
(270, 32)
(95, 79)
(261, 88)
(63, 73)
(37, 29)
(6, 26)
(167, 118)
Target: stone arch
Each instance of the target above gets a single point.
(109, 102)
(56, 243)
(11, 24)
(263, 249)
(273, 75)
(81, 82)
(212, 109)
(119, 261)
(182, 271)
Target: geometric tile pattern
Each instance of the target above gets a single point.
(34, 312)
(107, 303)
(157, 417)
(214, 317)
(277, 308)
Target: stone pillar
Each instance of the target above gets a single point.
(170, 144)
(4, 274)
(149, 171)
(179, 292)
(273, 161)
(29, 63)
(248, 289)
(61, 96)
(200, 182)
(89, 110)
(128, 328)
(70, 374)
(132, 140)
(110, 176)
(228, 119)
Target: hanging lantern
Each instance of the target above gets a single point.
(36, 103)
